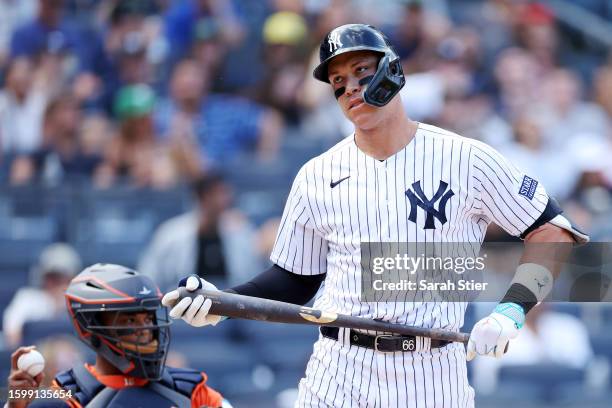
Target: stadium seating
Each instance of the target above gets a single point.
(601, 343)
(11, 280)
(36, 331)
(5, 367)
(542, 380)
(116, 225)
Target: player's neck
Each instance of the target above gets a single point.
(387, 138)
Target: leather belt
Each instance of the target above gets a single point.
(385, 343)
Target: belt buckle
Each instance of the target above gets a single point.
(376, 343)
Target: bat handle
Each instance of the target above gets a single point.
(184, 293)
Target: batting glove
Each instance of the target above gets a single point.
(491, 335)
(193, 311)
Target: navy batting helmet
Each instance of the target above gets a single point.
(389, 77)
(99, 295)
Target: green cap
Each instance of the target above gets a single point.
(134, 101)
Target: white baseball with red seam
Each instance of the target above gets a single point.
(32, 362)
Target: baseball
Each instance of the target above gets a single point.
(32, 362)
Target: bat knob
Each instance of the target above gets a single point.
(193, 279)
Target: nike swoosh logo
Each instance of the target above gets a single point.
(335, 183)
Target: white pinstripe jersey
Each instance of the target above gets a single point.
(322, 226)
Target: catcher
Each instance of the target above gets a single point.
(117, 313)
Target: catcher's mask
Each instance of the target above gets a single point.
(103, 300)
(389, 76)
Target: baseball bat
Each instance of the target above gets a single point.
(253, 308)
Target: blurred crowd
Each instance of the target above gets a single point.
(155, 93)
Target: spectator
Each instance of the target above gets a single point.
(537, 33)
(13, 13)
(135, 155)
(50, 33)
(22, 105)
(517, 76)
(214, 240)
(132, 64)
(496, 18)
(284, 56)
(223, 126)
(419, 32)
(208, 48)
(63, 155)
(563, 113)
(528, 151)
(43, 299)
(409, 35)
(183, 16)
(95, 133)
(602, 90)
(517, 85)
(128, 47)
(46, 31)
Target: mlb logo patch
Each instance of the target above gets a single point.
(528, 187)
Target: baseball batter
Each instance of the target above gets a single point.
(393, 180)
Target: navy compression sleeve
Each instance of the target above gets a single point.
(279, 284)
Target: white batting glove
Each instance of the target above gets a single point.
(491, 335)
(193, 311)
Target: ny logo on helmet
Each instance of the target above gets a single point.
(334, 40)
(419, 199)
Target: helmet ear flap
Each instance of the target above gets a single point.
(386, 83)
(396, 68)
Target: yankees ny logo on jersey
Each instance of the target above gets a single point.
(428, 205)
(334, 41)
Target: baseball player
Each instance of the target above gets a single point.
(117, 313)
(393, 180)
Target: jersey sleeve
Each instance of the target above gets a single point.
(204, 396)
(504, 194)
(299, 247)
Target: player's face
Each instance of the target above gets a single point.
(132, 320)
(345, 71)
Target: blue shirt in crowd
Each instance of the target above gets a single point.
(227, 125)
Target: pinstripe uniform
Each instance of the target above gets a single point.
(321, 232)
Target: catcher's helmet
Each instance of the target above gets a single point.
(115, 289)
(389, 77)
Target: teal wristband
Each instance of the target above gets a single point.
(513, 311)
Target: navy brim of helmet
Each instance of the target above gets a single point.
(320, 72)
